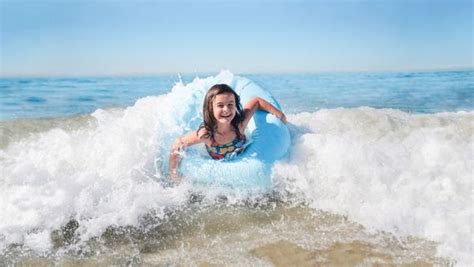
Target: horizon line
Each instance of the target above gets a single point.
(167, 73)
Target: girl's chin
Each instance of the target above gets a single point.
(225, 120)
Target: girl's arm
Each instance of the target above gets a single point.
(178, 145)
(259, 103)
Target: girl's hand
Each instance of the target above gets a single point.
(175, 178)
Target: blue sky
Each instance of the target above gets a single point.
(73, 38)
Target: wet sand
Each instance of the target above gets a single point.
(241, 236)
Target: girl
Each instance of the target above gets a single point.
(222, 130)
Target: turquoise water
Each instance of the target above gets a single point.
(420, 92)
(55, 97)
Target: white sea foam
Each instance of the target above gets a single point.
(389, 170)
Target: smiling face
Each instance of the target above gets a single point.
(224, 108)
(220, 109)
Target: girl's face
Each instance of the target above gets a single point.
(224, 108)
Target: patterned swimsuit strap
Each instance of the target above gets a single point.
(238, 138)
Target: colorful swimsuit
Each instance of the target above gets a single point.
(227, 151)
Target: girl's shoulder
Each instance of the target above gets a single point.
(202, 132)
(204, 135)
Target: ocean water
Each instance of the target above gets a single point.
(380, 171)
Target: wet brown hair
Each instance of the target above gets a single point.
(209, 121)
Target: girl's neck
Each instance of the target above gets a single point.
(224, 128)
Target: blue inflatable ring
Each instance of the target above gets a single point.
(269, 140)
